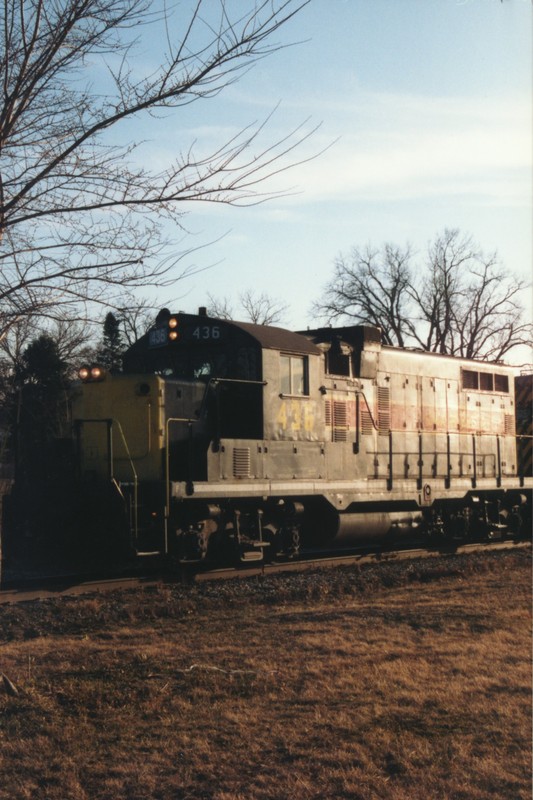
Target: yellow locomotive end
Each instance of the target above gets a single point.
(119, 426)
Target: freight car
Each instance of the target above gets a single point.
(225, 440)
(524, 422)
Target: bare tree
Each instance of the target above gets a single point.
(371, 287)
(220, 307)
(79, 208)
(460, 301)
(261, 309)
(137, 318)
(469, 303)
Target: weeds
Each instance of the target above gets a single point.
(406, 685)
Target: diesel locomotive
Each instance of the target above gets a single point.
(227, 441)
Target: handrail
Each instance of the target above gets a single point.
(363, 395)
(190, 421)
(135, 481)
(109, 422)
(478, 460)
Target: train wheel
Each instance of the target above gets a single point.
(283, 530)
(512, 520)
(192, 543)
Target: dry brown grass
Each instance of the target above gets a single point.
(405, 683)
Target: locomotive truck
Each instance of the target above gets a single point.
(227, 441)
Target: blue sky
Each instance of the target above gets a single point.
(429, 106)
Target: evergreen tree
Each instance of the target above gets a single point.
(40, 406)
(42, 364)
(110, 354)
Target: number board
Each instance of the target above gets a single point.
(205, 333)
(201, 333)
(158, 337)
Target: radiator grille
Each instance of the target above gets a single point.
(383, 410)
(241, 462)
(340, 421)
(509, 425)
(336, 413)
(367, 427)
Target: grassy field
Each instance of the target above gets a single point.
(403, 682)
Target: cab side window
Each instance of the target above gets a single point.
(293, 370)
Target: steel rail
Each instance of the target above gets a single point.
(78, 585)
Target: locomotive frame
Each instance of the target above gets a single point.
(225, 440)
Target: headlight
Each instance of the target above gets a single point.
(173, 329)
(91, 374)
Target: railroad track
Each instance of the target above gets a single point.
(65, 586)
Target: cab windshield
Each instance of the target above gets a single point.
(203, 363)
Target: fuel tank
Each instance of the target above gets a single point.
(333, 529)
(353, 528)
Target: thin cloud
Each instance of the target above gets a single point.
(415, 146)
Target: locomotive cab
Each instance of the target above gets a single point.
(192, 408)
